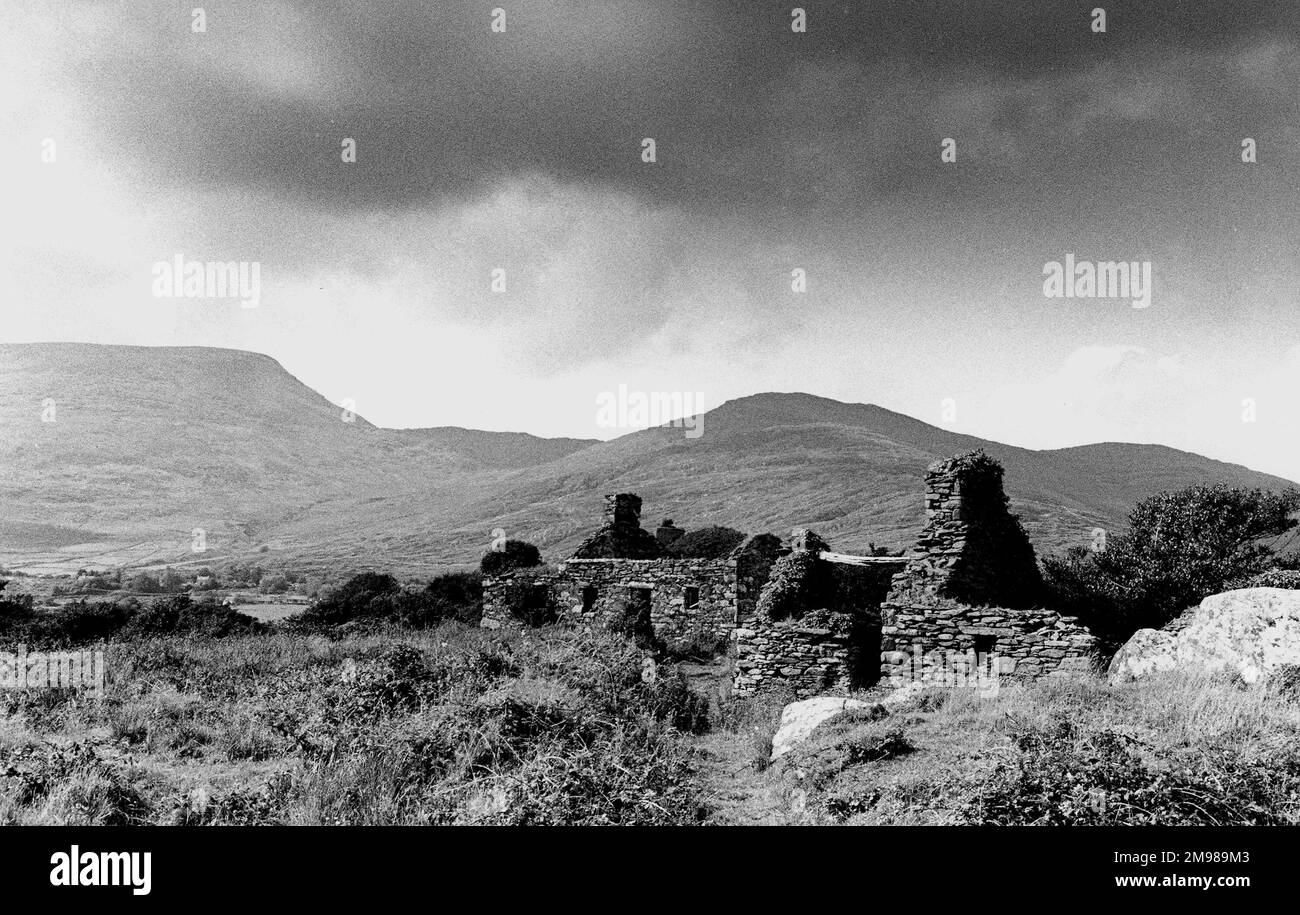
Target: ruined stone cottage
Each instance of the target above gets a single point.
(803, 617)
(623, 565)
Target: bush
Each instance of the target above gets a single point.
(707, 543)
(275, 584)
(698, 643)
(374, 598)
(1271, 578)
(452, 596)
(456, 737)
(1180, 548)
(179, 615)
(635, 624)
(143, 583)
(369, 594)
(671, 699)
(1067, 776)
(529, 602)
(83, 622)
(871, 748)
(515, 554)
(795, 583)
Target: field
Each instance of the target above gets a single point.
(270, 611)
(459, 725)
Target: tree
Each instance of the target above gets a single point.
(277, 583)
(1180, 547)
(171, 581)
(143, 583)
(514, 554)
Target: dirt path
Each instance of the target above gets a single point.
(737, 793)
(737, 790)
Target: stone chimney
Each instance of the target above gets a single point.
(802, 540)
(621, 536)
(972, 548)
(623, 510)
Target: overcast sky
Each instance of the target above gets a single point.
(775, 150)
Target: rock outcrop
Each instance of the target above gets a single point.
(1249, 632)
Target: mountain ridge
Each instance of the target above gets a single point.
(149, 444)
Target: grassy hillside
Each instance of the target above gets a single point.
(149, 443)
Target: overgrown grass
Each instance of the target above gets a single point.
(446, 725)
(455, 724)
(1172, 750)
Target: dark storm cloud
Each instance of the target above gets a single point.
(747, 116)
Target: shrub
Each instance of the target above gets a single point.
(529, 602)
(179, 615)
(713, 542)
(275, 584)
(1068, 776)
(793, 586)
(1270, 578)
(463, 740)
(635, 624)
(1180, 548)
(368, 594)
(671, 699)
(821, 618)
(372, 599)
(871, 748)
(514, 554)
(143, 583)
(455, 595)
(80, 622)
(71, 783)
(1285, 681)
(700, 642)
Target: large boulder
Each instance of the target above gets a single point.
(1148, 651)
(1249, 632)
(800, 719)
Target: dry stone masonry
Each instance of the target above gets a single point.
(967, 592)
(621, 536)
(682, 595)
(810, 660)
(965, 598)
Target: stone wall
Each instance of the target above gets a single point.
(595, 591)
(930, 640)
(783, 644)
(971, 585)
(503, 593)
(753, 558)
(808, 659)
